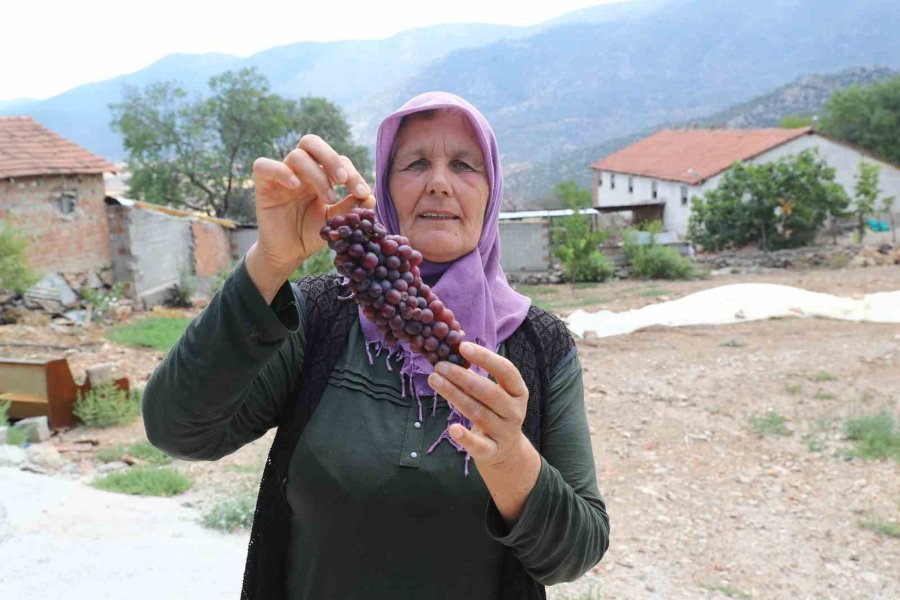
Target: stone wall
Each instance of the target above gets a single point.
(64, 219)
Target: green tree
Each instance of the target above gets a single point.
(867, 195)
(794, 122)
(776, 205)
(199, 152)
(868, 117)
(578, 245)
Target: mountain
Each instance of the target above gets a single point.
(580, 84)
(345, 72)
(574, 84)
(531, 185)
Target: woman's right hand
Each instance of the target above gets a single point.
(294, 199)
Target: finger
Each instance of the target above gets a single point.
(476, 444)
(479, 414)
(274, 171)
(479, 387)
(506, 373)
(356, 184)
(319, 150)
(308, 171)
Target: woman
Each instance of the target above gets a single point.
(366, 493)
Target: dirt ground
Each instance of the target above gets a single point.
(701, 506)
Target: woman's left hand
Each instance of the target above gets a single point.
(506, 460)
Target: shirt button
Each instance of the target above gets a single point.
(414, 455)
(417, 425)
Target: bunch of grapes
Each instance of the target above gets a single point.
(383, 274)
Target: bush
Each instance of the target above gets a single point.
(222, 275)
(143, 481)
(231, 514)
(317, 264)
(776, 205)
(14, 272)
(103, 301)
(106, 406)
(652, 261)
(875, 436)
(186, 287)
(578, 246)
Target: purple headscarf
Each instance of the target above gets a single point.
(472, 286)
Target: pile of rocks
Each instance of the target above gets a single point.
(885, 254)
(794, 258)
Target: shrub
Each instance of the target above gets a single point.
(775, 205)
(222, 275)
(14, 272)
(875, 436)
(106, 406)
(103, 301)
(231, 514)
(145, 481)
(578, 246)
(652, 261)
(186, 287)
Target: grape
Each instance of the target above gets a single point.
(383, 275)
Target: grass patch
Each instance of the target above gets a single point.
(142, 450)
(771, 424)
(822, 376)
(728, 590)
(107, 406)
(158, 333)
(653, 292)
(875, 436)
(823, 395)
(813, 439)
(793, 388)
(231, 514)
(882, 528)
(145, 481)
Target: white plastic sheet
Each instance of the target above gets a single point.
(738, 303)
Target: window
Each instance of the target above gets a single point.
(612, 181)
(600, 180)
(653, 189)
(631, 185)
(684, 195)
(64, 202)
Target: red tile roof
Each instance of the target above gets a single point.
(29, 148)
(694, 155)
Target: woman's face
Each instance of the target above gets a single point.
(439, 185)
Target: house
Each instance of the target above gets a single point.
(52, 190)
(656, 178)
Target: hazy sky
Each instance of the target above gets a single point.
(49, 47)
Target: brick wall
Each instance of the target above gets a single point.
(212, 248)
(64, 219)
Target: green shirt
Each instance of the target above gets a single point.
(374, 515)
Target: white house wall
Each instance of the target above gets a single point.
(675, 216)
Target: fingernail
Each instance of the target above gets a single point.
(294, 181)
(362, 190)
(435, 380)
(341, 175)
(455, 433)
(442, 367)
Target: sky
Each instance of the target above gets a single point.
(49, 47)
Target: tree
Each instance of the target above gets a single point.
(775, 205)
(867, 192)
(868, 117)
(199, 152)
(578, 245)
(794, 122)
